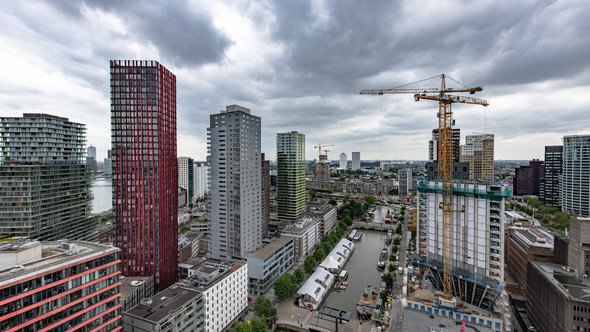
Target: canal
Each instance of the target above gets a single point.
(362, 268)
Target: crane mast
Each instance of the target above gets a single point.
(445, 160)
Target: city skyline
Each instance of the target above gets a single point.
(532, 67)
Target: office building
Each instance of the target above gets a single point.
(434, 150)
(478, 239)
(290, 176)
(478, 151)
(135, 289)
(145, 173)
(405, 181)
(305, 234)
(527, 178)
(59, 286)
(235, 204)
(343, 161)
(327, 215)
(527, 244)
(186, 176)
(557, 298)
(224, 289)
(45, 183)
(356, 161)
(549, 186)
(267, 264)
(579, 244)
(108, 164)
(265, 177)
(574, 181)
(173, 309)
(200, 179)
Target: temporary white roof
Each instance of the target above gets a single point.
(313, 287)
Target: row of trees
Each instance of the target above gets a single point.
(326, 245)
(265, 315)
(548, 215)
(287, 284)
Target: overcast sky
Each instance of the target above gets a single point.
(299, 65)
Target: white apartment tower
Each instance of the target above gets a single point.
(574, 180)
(185, 176)
(356, 161)
(235, 185)
(478, 226)
(200, 179)
(343, 160)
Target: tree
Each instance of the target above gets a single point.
(398, 229)
(284, 286)
(241, 327)
(347, 220)
(333, 202)
(309, 264)
(396, 241)
(370, 199)
(391, 268)
(326, 247)
(383, 295)
(394, 248)
(313, 194)
(318, 254)
(387, 278)
(258, 324)
(392, 257)
(298, 276)
(264, 309)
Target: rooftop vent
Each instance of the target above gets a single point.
(146, 302)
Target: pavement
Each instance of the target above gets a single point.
(400, 283)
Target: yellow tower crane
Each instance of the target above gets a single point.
(445, 160)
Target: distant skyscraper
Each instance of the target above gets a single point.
(549, 186)
(186, 176)
(527, 178)
(235, 204)
(356, 161)
(108, 164)
(290, 175)
(478, 151)
(343, 160)
(200, 179)
(44, 181)
(265, 177)
(434, 145)
(574, 181)
(145, 174)
(91, 157)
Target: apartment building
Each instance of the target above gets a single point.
(267, 264)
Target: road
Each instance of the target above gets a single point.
(397, 310)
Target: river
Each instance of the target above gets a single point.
(362, 267)
(102, 195)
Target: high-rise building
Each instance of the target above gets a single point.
(405, 181)
(579, 244)
(527, 244)
(343, 161)
(527, 179)
(186, 176)
(108, 164)
(434, 145)
(59, 286)
(91, 157)
(235, 205)
(549, 186)
(145, 173)
(574, 181)
(265, 177)
(478, 151)
(290, 176)
(477, 245)
(200, 179)
(356, 161)
(44, 181)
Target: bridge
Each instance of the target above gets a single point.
(373, 226)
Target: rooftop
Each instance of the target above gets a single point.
(300, 227)
(130, 284)
(33, 257)
(163, 304)
(269, 249)
(319, 209)
(533, 236)
(209, 273)
(570, 283)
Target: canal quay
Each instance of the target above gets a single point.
(362, 272)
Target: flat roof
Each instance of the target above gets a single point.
(127, 289)
(270, 248)
(301, 227)
(566, 280)
(531, 235)
(53, 255)
(164, 303)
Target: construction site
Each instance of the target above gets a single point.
(457, 270)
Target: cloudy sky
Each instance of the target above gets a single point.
(299, 65)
